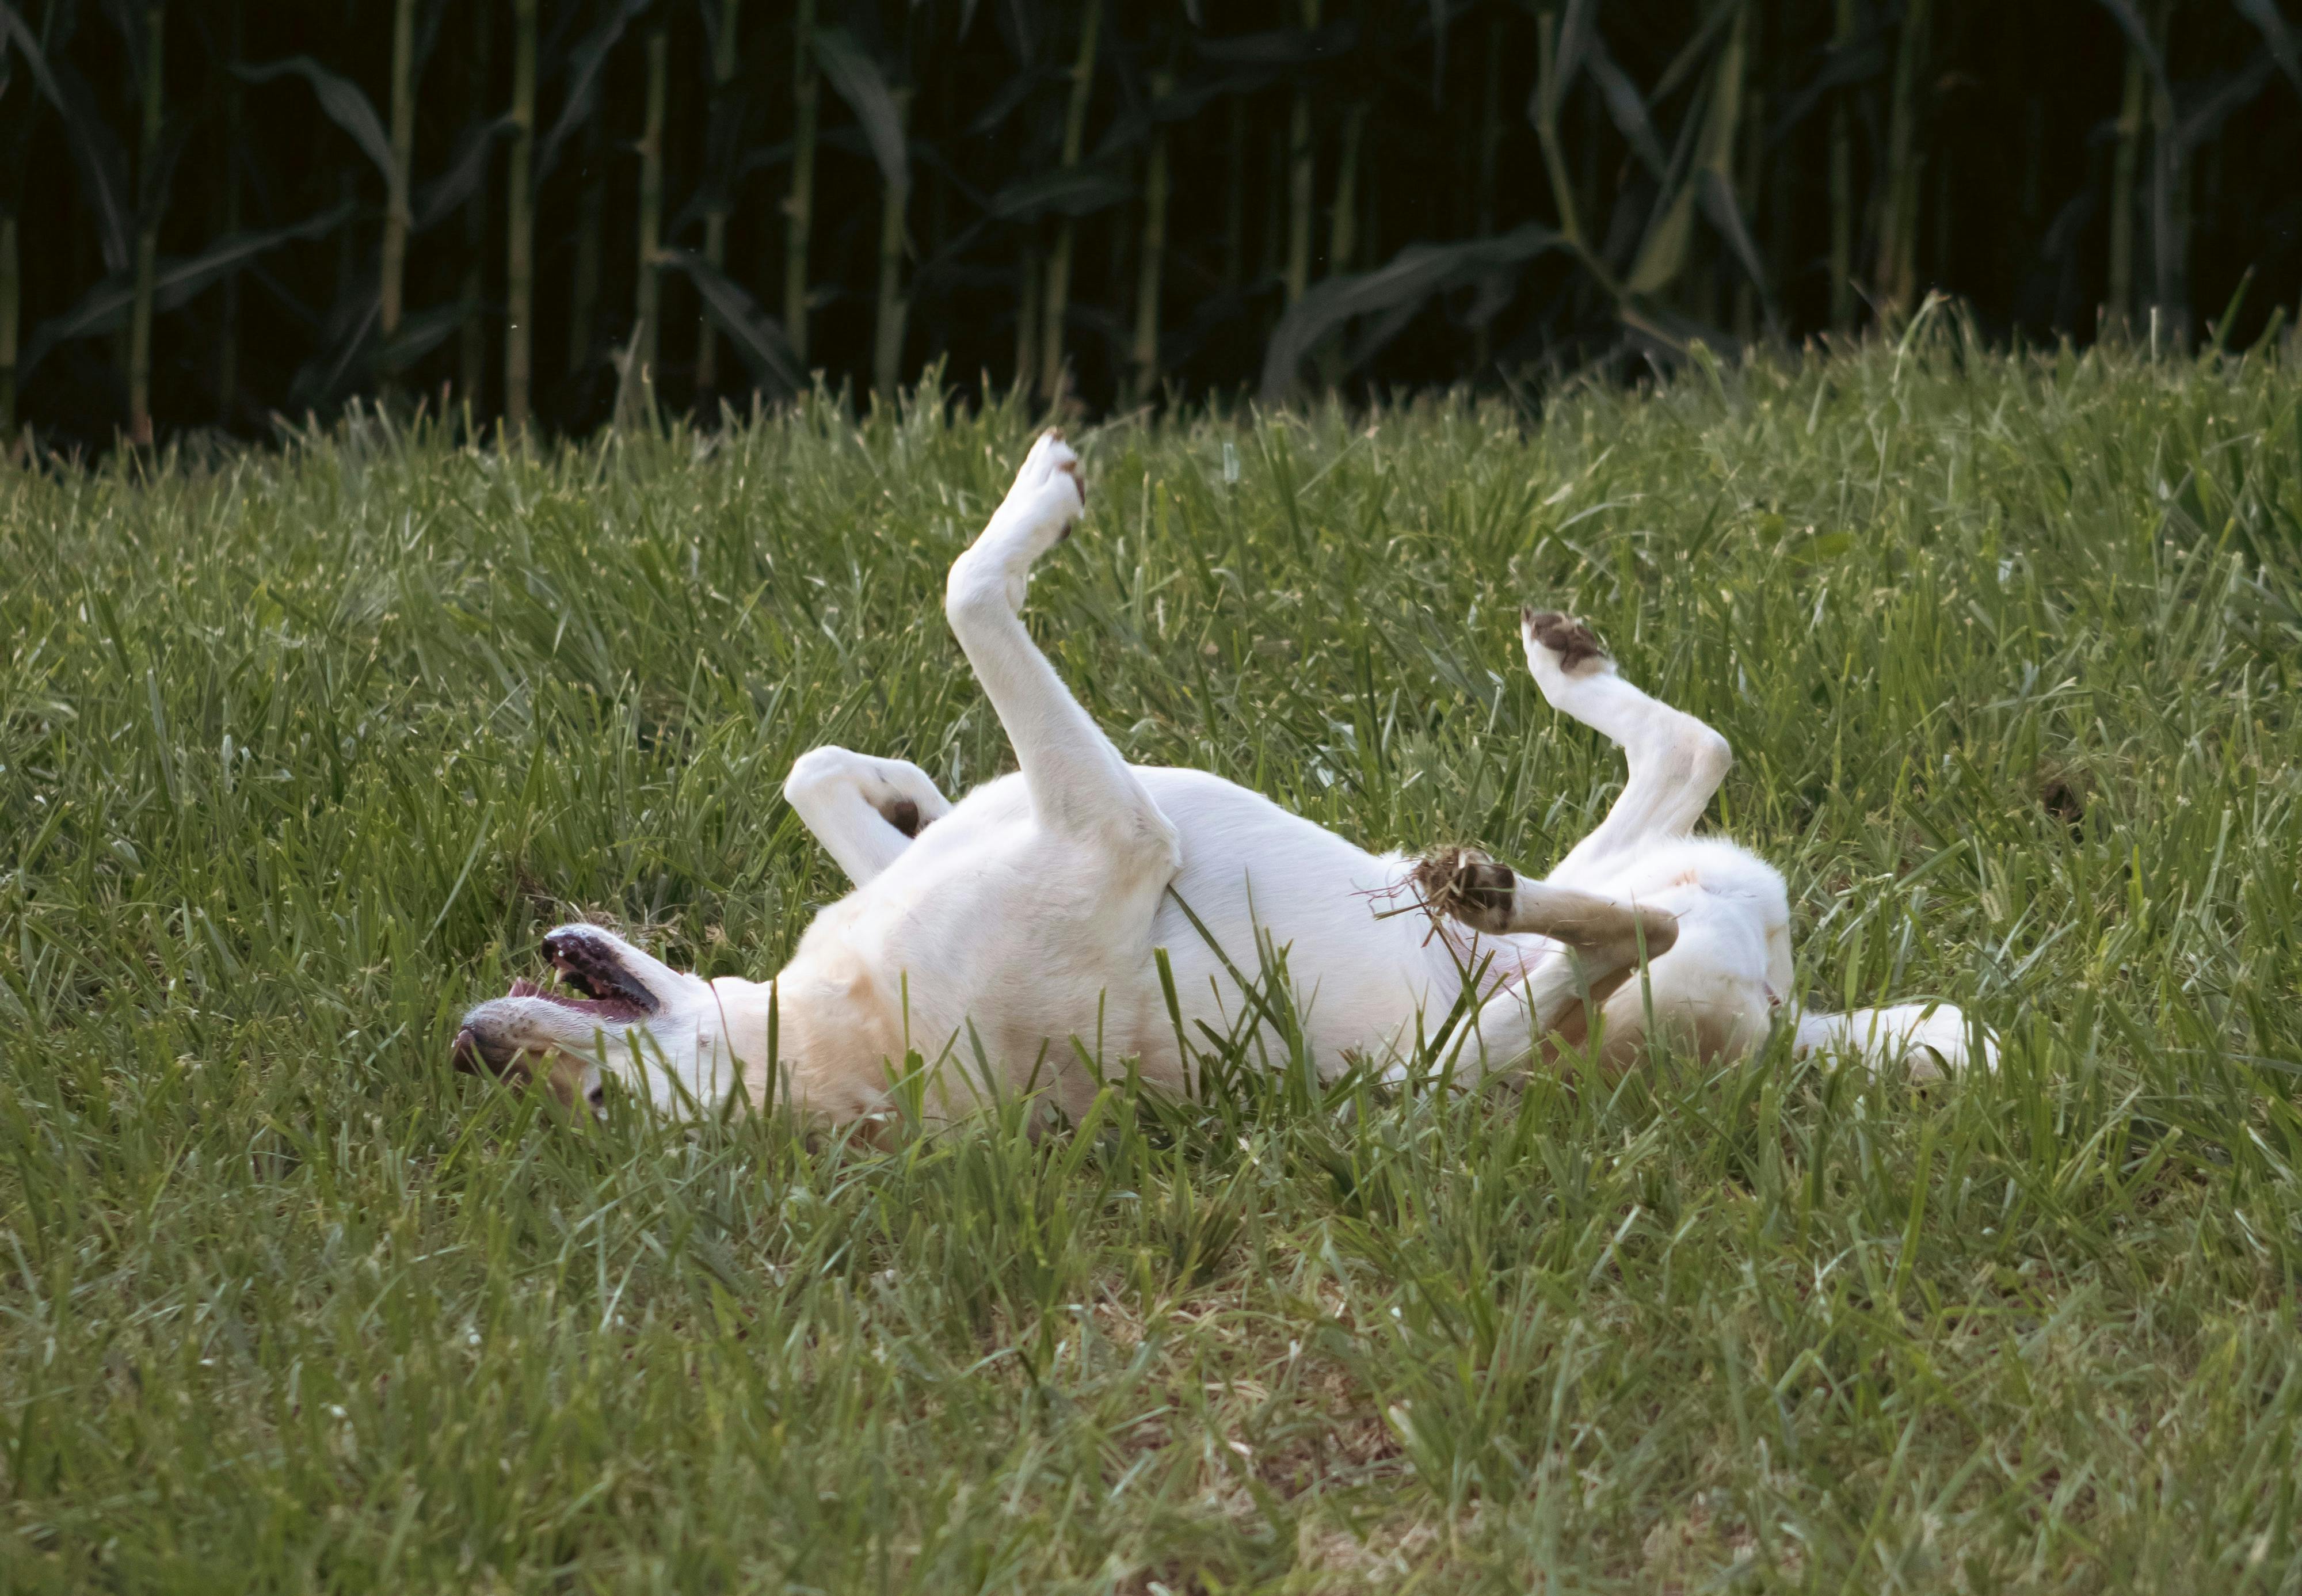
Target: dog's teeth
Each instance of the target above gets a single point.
(523, 987)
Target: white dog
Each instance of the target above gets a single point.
(1019, 930)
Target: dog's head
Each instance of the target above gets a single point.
(616, 1011)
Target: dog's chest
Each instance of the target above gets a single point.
(985, 912)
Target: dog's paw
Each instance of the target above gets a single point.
(1941, 1044)
(1561, 643)
(1049, 494)
(1466, 885)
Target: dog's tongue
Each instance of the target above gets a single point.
(523, 987)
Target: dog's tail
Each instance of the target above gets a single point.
(1931, 1039)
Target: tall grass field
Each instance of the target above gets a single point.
(303, 748)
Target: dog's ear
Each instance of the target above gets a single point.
(564, 1076)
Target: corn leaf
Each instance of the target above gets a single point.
(103, 167)
(2138, 34)
(1662, 251)
(582, 94)
(1079, 191)
(2205, 112)
(1576, 33)
(1011, 94)
(127, 21)
(1393, 291)
(858, 80)
(340, 98)
(1281, 48)
(350, 320)
(2266, 16)
(1689, 54)
(1725, 213)
(439, 198)
(1662, 247)
(420, 333)
(1862, 58)
(13, 31)
(1626, 106)
(757, 336)
(723, 150)
(1438, 20)
(176, 283)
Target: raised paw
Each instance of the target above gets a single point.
(1561, 641)
(1050, 491)
(1466, 885)
(1047, 497)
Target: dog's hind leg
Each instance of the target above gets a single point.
(1079, 785)
(1676, 761)
(1932, 1039)
(1602, 942)
(864, 810)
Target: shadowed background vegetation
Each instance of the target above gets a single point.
(301, 751)
(213, 212)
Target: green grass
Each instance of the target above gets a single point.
(303, 750)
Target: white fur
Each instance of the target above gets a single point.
(1019, 929)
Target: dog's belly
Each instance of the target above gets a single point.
(992, 932)
(1715, 991)
(1268, 889)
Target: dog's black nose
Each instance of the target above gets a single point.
(467, 1054)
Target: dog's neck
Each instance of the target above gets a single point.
(805, 1040)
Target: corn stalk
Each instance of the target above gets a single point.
(647, 307)
(1027, 313)
(1550, 89)
(1842, 182)
(12, 290)
(591, 230)
(2170, 205)
(519, 218)
(1059, 260)
(1899, 193)
(395, 217)
(1234, 238)
(1300, 162)
(472, 352)
(147, 237)
(1482, 198)
(895, 198)
(228, 317)
(2120, 301)
(1151, 256)
(715, 220)
(1343, 216)
(1750, 179)
(1342, 234)
(798, 206)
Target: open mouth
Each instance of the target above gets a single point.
(594, 983)
(612, 1006)
(601, 989)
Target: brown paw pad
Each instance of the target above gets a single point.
(902, 814)
(1578, 647)
(1467, 886)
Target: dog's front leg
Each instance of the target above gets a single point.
(864, 810)
(1081, 786)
